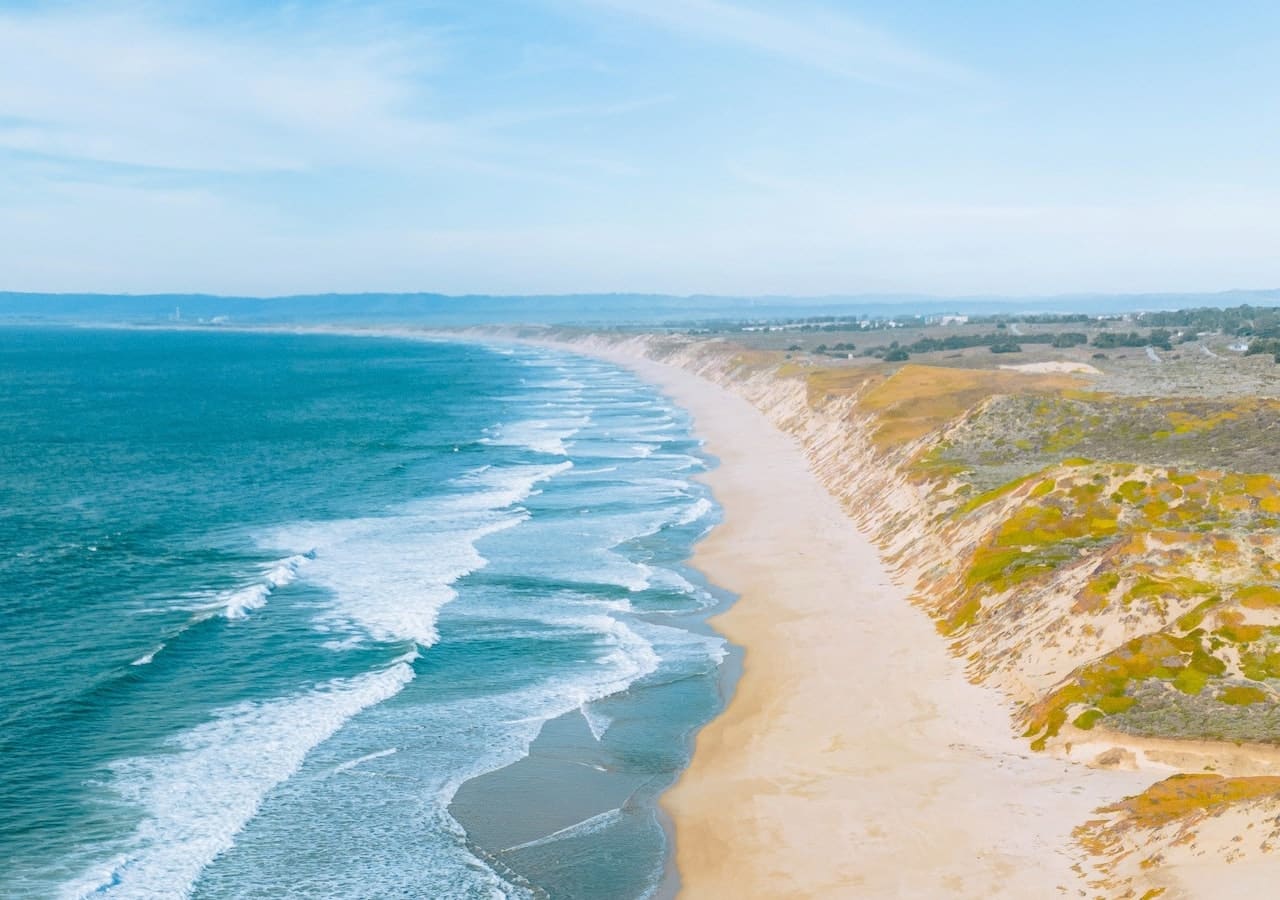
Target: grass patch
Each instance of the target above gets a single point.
(1191, 795)
(1087, 719)
(986, 497)
(1190, 681)
(1106, 683)
(916, 399)
(1259, 596)
(1243, 695)
(1192, 619)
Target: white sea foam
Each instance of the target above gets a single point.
(585, 543)
(350, 642)
(680, 651)
(683, 461)
(390, 575)
(699, 508)
(613, 606)
(199, 796)
(579, 829)
(659, 488)
(602, 470)
(622, 657)
(540, 435)
(498, 486)
(623, 648)
(663, 425)
(560, 385)
(597, 722)
(236, 604)
(368, 757)
(146, 658)
(233, 604)
(671, 579)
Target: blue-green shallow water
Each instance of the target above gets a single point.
(267, 601)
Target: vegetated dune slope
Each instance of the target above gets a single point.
(1111, 563)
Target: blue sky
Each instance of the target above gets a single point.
(682, 146)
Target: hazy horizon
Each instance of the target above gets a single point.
(566, 309)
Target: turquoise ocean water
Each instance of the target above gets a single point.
(325, 616)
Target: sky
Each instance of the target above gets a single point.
(674, 146)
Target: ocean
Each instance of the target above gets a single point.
(328, 616)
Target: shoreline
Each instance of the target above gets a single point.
(854, 758)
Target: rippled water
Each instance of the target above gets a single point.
(269, 601)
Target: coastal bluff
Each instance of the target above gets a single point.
(1107, 562)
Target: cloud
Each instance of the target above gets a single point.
(839, 45)
(121, 92)
(266, 96)
(530, 115)
(346, 146)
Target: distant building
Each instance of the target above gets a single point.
(947, 320)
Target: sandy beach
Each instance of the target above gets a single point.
(854, 759)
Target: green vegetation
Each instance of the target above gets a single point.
(1237, 320)
(1066, 339)
(1243, 695)
(1182, 796)
(1021, 433)
(1183, 548)
(995, 341)
(917, 400)
(1157, 337)
(1264, 345)
(1154, 520)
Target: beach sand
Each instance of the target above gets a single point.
(854, 759)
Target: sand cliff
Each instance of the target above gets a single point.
(1125, 608)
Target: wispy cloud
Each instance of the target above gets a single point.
(808, 36)
(516, 117)
(119, 87)
(125, 92)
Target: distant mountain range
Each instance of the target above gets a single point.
(585, 309)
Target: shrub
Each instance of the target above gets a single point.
(1069, 339)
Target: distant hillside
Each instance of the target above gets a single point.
(585, 309)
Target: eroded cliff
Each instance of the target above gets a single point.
(1110, 563)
